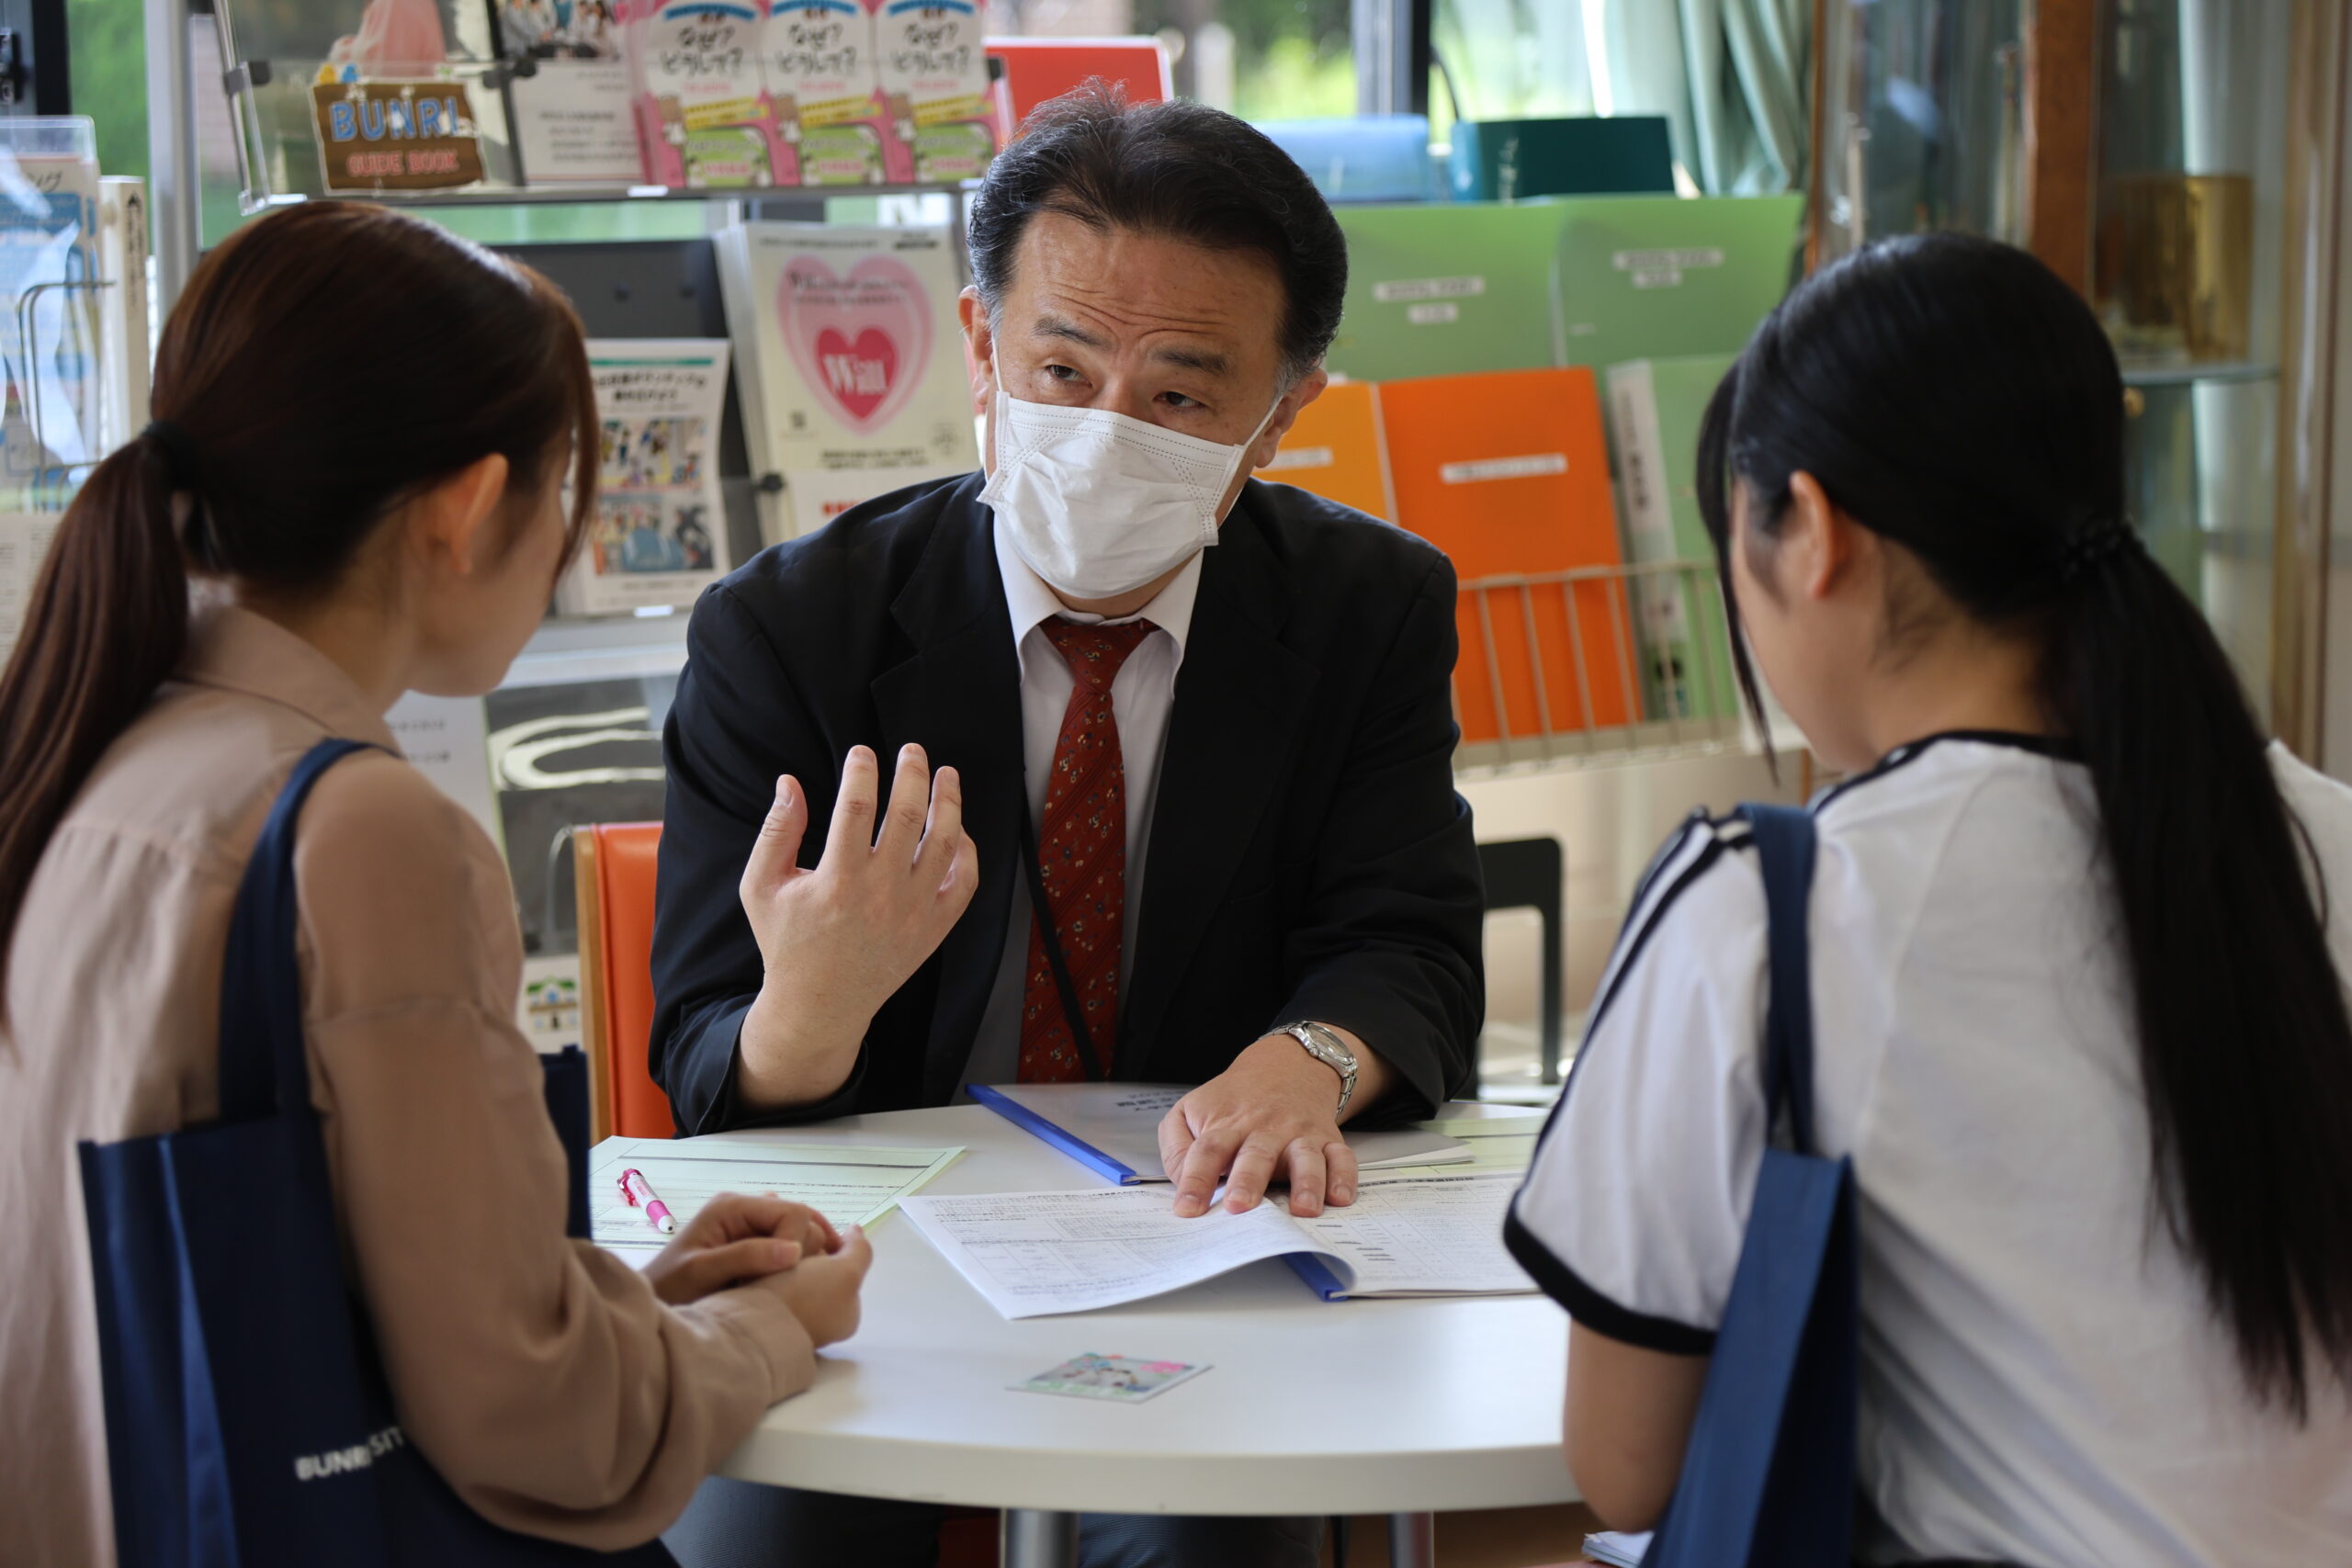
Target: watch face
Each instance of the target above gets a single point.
(1324, 1046)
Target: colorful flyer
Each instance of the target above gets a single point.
(854, 384)
(660, 533)
(935, 81)
(828, 95)
(704, 117)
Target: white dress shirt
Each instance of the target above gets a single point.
(1142, 695)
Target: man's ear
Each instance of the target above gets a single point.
(979, 348)
(1309, 388)
(448, 523)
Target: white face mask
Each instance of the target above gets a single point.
(1099, 503)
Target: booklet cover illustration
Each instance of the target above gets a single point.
(660, 534)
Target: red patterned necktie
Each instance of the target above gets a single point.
(1082, 858)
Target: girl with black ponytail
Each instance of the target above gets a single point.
(2080, 938)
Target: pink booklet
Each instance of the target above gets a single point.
(705, 117)
(827, 92)
(934, 72)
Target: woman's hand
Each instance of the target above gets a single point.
(736, 1238)
(823, 1292)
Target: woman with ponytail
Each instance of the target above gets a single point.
(354, 486)
(2079, 945)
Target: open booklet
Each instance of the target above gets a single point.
(1419, 1233)
(1113, 1128)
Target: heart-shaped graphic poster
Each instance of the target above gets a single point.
(862, 342)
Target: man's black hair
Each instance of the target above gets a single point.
(1177, 168)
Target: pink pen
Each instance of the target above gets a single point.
(639, 1192)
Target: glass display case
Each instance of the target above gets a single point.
(1921, 117)
(2164, 195)
(2186, 271)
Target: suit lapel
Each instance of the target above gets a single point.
(959, 696)
(1238, 697)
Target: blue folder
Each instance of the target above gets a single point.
(1078, 1148)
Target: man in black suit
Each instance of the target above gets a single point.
(1162, 812)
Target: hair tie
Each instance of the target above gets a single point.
(2092, 546)
(179, 452)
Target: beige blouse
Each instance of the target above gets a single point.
(541, 1376)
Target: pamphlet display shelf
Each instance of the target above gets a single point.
(251, 201)
(279, 165)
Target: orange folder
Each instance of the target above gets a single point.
(1508, 473)
(1335, 450)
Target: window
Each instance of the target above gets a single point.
(1514, 60)
(1261, 59)
(107, 46)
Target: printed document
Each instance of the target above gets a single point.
(1428, 1233)
(848, 1186)
(1416, 1234)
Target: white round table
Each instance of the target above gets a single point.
(1309, 1407)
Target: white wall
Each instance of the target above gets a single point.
(1609, 821)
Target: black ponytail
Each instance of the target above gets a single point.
(1953, 395)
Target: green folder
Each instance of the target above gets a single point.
(1503, 160)
(1446, 289)
(1654, 410)
(1653, 276)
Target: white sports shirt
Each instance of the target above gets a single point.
(2042, 1380)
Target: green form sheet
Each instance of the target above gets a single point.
(848, 1186)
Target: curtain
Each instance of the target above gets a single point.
(1731, 76)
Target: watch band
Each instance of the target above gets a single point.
(1322, 1042)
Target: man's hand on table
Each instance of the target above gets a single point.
(837, 940)
(1273, 1115)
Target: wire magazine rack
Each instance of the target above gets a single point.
(1597, 665)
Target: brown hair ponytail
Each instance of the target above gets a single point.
(326, 364)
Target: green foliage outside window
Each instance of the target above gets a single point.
(106, 41)
(1291, 57)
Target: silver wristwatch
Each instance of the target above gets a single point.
(1324, 1044)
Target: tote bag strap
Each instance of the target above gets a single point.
(1784, 848)
(262, 1066)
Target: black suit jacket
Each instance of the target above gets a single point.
(1309, 855)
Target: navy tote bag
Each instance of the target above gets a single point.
(1767, 1479)
(248, 1421)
